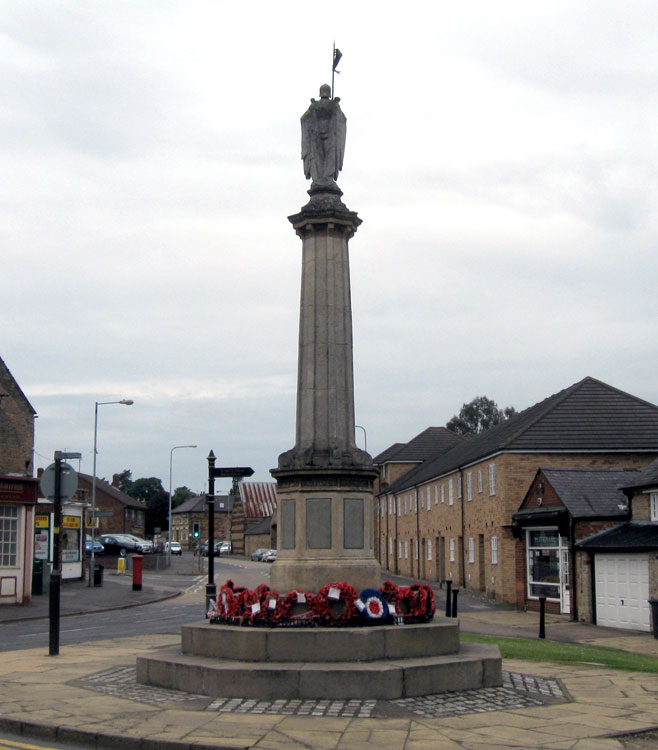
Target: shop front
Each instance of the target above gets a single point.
(18, 496)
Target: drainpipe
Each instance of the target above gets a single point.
(461, 482)
(417, 533)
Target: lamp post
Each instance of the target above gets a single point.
(171, 458)
(365, 436)
(125, 402)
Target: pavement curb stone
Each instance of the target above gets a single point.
(42, 730)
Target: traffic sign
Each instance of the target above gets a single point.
(68, 482)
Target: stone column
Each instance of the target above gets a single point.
(325, 483)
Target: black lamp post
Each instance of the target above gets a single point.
(236, 473)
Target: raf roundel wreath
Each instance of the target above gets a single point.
(374, 606)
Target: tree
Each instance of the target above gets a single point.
(149, 490)
(125, 481)
(479, 415)
(181, 494)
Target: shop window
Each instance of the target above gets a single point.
(654, 506)
(8, 535)
(545, 547)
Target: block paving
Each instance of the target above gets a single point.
(518, 691)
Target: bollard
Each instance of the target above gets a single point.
(448, 587)
(542, 617)
(455, 594)
(138, 561)
(121, 565)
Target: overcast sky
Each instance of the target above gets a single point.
(501, 155)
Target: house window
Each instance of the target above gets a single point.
(452, 550)
(492, 479)
(8, 535)
(494, 550)
(471, 549)
(416, 502)
(654, 506)
(436, 494)
(451, 492)
(390, 545)
(443, 493)
(416, 548)
(399, 504)
(429, 549)
(406, 549)
(459, 486)
(479, 480)
(400, 550)
(545, 547)
(469, 485)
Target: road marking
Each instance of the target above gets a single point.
(23, 745)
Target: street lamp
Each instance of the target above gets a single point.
(125, 402)
(365, 437)
(171, 458)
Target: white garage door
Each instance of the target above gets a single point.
(622, 591)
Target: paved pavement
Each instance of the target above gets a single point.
(88, 693)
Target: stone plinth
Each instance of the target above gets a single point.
(325, 530)
(377, 662)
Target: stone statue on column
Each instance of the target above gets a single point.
(323, 141)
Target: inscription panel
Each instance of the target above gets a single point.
(318, 523)
(353, 522)
(288, 530)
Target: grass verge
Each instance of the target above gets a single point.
(564, 653)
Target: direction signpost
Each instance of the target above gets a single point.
(58, 482)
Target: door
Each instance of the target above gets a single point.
(622, 591)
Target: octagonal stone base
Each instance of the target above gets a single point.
(378, 662)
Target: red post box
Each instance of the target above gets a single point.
(138, 561)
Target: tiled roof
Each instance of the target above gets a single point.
(105, 487)
(646, 477)
(197, 504)
(636, 536)
(590, 493)
(382, 458)
(588, 416)
(258, 498)
(429, 443)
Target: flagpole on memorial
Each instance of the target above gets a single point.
(335, 60)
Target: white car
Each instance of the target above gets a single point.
(176, 549)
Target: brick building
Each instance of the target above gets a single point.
(120, 513)
(193, 515)
(18, 491)
(450, 516)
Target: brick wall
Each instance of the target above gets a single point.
(16, 427)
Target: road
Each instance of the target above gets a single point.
(158, 617)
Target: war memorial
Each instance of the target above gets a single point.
(325, 626)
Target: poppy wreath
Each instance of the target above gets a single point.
(227, 601)
(390, 592)
(416, 603)
(322, 603)
(285, 608)
(373, 606)
(250, 605)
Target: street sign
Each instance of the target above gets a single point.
(68, 482)
(233, 471)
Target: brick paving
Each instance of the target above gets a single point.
(517, 691)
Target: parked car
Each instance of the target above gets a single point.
(257, 554)
(145, 545)
(176, 549)
(98, 547)
(118, 544)
(221, 548)
(270, 557)
(225, 548)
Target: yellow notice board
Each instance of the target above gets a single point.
(71, 522)
(41, 522)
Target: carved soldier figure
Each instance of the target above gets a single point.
(323, 140)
